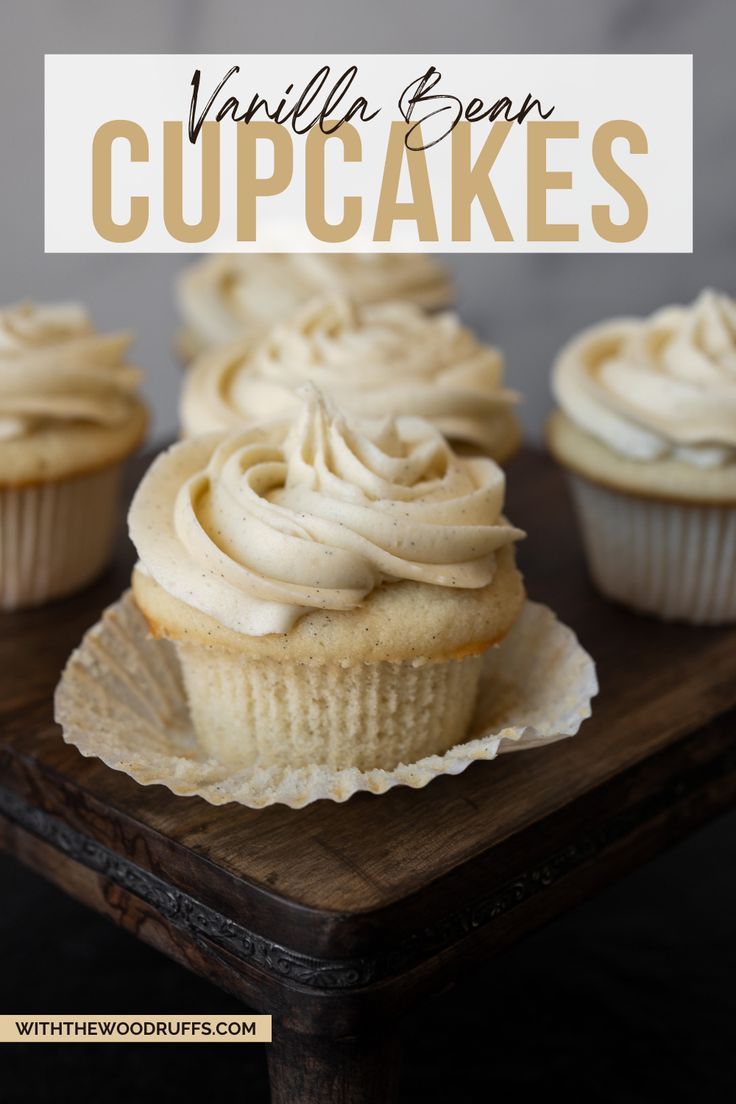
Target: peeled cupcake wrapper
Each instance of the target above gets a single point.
(361, 715)
(55, 537)
(675, 560)
(121, 698)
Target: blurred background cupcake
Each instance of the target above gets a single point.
(69, 416)
(374, 360)
(647, 431)
(330, 585)
(221, 298)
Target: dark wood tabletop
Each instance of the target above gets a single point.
(335, 918)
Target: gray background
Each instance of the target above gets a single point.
(526, 304)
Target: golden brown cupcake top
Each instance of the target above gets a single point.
(68, 396)
(222, 298)
(259, 527)
(658, 388)
(376, 360)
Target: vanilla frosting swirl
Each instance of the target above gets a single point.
(258, 527)
(378, 360)
(225, 297)
(55, 369)
(660, 387)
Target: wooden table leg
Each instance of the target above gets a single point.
(310, 1069)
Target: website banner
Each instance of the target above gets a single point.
(379, 153)
(125, 1028)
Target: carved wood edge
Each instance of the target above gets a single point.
(205, 925)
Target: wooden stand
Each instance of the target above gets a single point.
(337, 918)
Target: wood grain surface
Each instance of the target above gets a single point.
(331, 912)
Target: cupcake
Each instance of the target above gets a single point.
(330, 586)
(222, 298)
(376, 360)
(69, 415)
(647, 431)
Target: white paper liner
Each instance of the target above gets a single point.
(674, 560)
(56, 537)
(121, 698)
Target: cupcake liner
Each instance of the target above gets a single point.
(121, 698)
(675, 560)
(361, 715)
(56, 537)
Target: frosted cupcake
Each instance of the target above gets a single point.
(222, 298)
(330, 586)
(378, 360)
(647, 431)
(69, 416)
